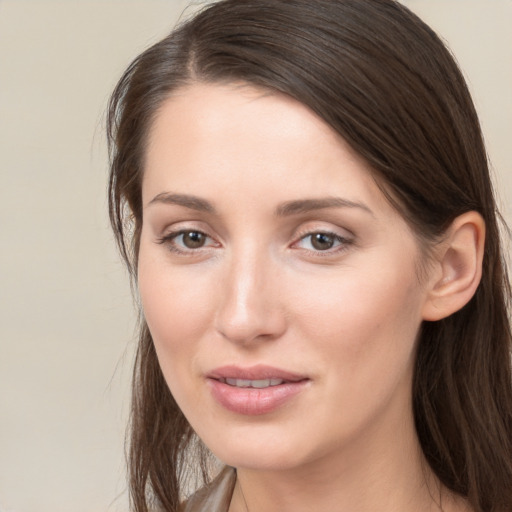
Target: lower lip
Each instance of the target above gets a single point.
(254, 401)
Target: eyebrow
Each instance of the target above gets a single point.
(186, 200)
(286, 209)
(299, 206)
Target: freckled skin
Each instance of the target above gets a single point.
(258, 292)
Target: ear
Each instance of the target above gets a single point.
(457, 267)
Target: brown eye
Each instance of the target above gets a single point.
(187, 242)
(322, 241)
(192, 239)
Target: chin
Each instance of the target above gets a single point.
(260, 449)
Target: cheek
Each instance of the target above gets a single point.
(177, 306)
(367, 316)
(177, 314)
(362, 329)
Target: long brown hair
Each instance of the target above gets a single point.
(386, 83)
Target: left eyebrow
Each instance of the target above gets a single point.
(299, 206)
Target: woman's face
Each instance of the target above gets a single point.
(279, 285)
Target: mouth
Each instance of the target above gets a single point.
(259, 376)
(255, 390)
(257, 384)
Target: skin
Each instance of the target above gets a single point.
(259, 292)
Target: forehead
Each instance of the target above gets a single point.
(246, 132)
(237, 109)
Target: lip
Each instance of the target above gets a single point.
(257, 372)
(254, 401)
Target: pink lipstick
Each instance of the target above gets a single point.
(254, 390)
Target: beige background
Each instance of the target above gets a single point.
(66, 320)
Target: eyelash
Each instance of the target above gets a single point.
(169, 241)
(343, 243)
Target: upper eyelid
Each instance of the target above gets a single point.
(337, 236)
(182, 231)
(177, 228)
(322, 232)
(329, 230)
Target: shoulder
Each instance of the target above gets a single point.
(214, 497)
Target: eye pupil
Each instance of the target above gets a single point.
(322, 241)
(193, 239)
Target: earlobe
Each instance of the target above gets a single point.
(459, 267)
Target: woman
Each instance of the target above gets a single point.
(300, 190)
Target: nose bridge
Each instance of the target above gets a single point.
(249, 307)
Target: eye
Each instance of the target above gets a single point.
(322, 241)
(187, 240)
(191, 239)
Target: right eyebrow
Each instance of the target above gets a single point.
(186, 200)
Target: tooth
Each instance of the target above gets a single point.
(246, 383)
(265, 383)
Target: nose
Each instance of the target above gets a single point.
(250, 306)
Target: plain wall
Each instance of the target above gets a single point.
(66, 321)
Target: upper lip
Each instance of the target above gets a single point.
(257, 372)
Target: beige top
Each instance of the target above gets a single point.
(215, 497)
